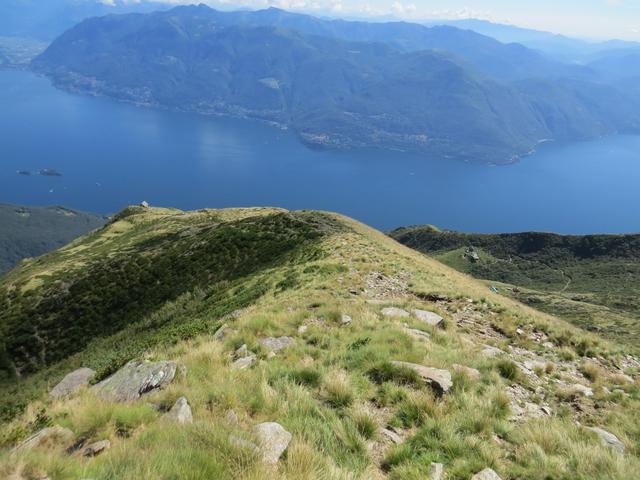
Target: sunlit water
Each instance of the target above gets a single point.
(112, 154)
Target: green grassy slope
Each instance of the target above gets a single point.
(593, 281)
(269, 272)
(32, 231)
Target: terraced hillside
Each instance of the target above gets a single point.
(262, 343)
(593, 281)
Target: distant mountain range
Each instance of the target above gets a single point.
(338, 84)
(33, 231)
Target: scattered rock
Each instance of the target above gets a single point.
(440, 379)
(346, 320)
(45, 436)
(429, 318)
(490, 352)
(274, 344)
(223, 332)
(135, 379)
(72, 382)
(608, 439)
(244, 362)
(273, 440)
(180, 412)
(96, 448)
(394, 312)
(471, 373)
(391, 435)
(419, 334)
(582, 390)
(486, 474)
(436, 471)
(302, 329)
(242, 351)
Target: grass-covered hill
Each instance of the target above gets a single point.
(31, 231)
(306, 346)
(592, 281)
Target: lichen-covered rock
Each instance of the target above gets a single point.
(486, 474)
(180, 412)
(49, 435)
(275, 344)
(608, 439)
(430, 318)
(394, 312)
(437, 378)
(273, 440)
(72, 382)
(96, 448)
(135, 379)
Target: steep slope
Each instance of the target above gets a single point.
(33, 231)
(334, 92)
(592, 281)
(276, 316)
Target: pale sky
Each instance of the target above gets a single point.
(582, 18)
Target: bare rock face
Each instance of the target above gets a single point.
(72, 382)
(180, 412)
(440, 379)
(486, 474)
(135, 379)
(395, 312)
(49, 435)
(96, 448)
(430, 318)
(608, 439)
(273, 344)
(273, 440)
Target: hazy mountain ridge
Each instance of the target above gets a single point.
(337, 93)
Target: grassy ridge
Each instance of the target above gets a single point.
(593, 281)
(335, 389)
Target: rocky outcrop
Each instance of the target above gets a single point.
(72, 382)
(135, 379)
(273, 440)
(430, 318)
(608, 439)
(437, 378)
(180, 412)
(55, 434)
(486, 474)
(275, 344)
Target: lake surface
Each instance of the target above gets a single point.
(112, 154)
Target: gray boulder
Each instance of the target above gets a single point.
(72, 382)
(135, 379)
(96, 448)
(582, 390)
(394, 312)
(180, 412)
(275, 344)
(223, 332)
(55, 434)
(346, 320)
(608, 439)
(273, 440)
(437, 378)
(244, 362)
(486, 474)
(418, 334)
(430, 318)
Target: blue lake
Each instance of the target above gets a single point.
(112, 154)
